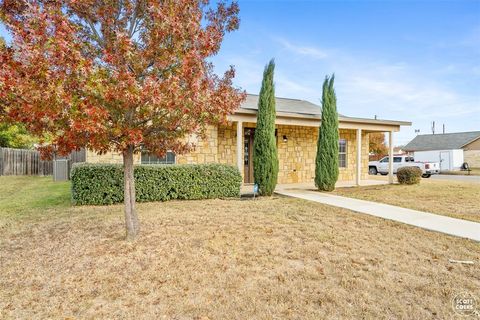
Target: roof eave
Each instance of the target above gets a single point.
(473, 140)
(340, 118)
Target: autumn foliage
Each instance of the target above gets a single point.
(377, 145)
(116, 75)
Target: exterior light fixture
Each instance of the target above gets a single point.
(285, 139)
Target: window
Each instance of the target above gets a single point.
(384, 160)
(397, 159)
(148, 158)
(342, 153)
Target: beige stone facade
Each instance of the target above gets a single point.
(206, 150)
(472, 157)
(296, 154)
(109, 157)
(471, 154)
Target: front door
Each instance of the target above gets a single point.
(249, 134)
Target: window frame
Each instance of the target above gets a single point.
(145, 153)
(344, 153)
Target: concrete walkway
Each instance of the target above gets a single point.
(430, 221)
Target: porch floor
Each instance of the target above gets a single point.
(247, 189)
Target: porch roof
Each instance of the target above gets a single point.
(305, 113)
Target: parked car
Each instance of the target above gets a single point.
(399, 161)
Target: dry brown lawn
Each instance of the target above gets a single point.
(455, 199)
(276, 258)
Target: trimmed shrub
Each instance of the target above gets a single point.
(101, 184)
(409, 175)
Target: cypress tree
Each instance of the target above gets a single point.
(326, 164)
(265, 157)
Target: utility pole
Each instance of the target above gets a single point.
(433, 127)
(444, 128)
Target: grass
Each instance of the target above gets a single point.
(455, 199)
(270, 258)
(29, 195)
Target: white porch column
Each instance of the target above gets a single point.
(358, 175)
(240, 146)
(390, 157)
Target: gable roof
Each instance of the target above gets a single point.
(284, 105)
(444, 141)
(302, 109)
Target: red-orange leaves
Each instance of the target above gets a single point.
(109, 75)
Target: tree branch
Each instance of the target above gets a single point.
(95, 32)
(133, 21)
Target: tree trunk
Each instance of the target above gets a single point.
(131, 219)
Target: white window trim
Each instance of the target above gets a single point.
(341, 153)
(175, 161)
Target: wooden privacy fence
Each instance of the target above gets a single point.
(18, 162)
(28, 162)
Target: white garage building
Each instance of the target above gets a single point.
(450, 149)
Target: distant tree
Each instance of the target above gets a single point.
(377, 144)
(265, 157)
(117, 75)
(15, 136)
(326, 164)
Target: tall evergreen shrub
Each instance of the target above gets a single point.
(265, 156)
(326, 164)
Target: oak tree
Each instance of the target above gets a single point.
(116, 75)
(377, 144)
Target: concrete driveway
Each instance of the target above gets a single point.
(451, 177)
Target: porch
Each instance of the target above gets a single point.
(247, 189)
(297, 143)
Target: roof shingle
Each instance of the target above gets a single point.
(284, 105)
(446, 141)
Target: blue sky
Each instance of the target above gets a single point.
(407, 60)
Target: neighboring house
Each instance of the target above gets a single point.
(450, 149)
(297, 125)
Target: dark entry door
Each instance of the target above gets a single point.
(249, 134)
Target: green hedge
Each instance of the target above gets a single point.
(100, 184)
(409, 175)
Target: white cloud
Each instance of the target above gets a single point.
(309, 51)
(366, 86)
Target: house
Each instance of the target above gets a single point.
(297, 125)
(450, 149)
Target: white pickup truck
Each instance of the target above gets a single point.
(399, 161)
